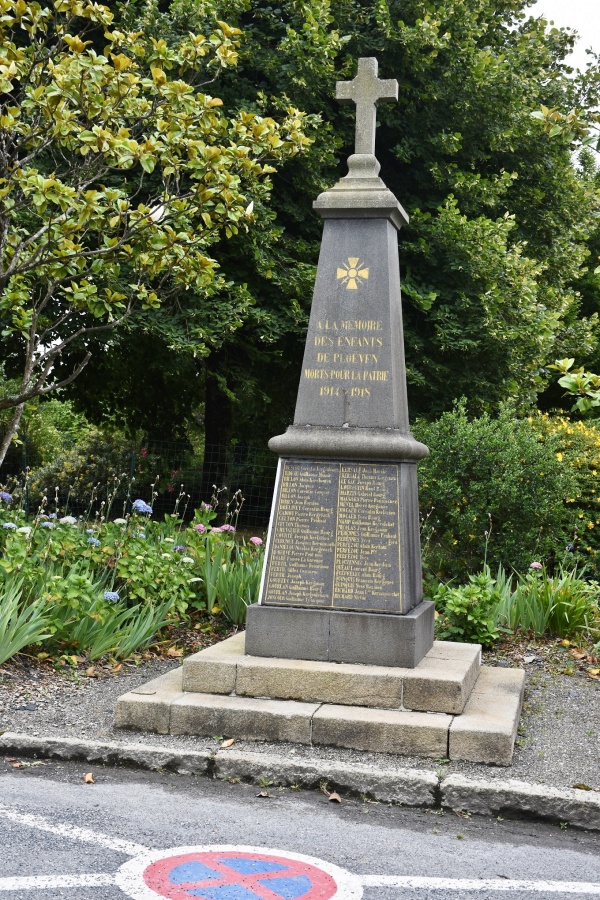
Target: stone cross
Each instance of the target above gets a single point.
(367, 91)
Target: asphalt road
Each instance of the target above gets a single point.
(62, 838)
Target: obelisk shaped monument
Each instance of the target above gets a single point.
(342, 578)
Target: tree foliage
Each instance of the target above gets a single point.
(495, 259)
(497, 247)
(119, 171)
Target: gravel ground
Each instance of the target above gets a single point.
(558, 743)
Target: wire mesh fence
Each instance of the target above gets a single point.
(104, 477)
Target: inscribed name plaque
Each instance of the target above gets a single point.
(335, 540)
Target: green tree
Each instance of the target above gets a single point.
(495, 255)
(118, 174)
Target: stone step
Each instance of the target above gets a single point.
(441, 682)
(487, 729)
(485, 732)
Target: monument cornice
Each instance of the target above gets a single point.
(361, 194)
(349, 442)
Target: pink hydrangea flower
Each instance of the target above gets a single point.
(256, 541)
(214, 530)
(200, 528)
(226, 528)
(536, 565)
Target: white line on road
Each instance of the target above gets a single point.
(72, 831)
(480, 884)
(48, 882)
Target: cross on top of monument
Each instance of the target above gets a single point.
(367, 91)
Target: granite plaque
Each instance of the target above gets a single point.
(335, 537)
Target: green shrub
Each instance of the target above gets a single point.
(563, 605)
(22, 622)
(491, 485)
(238, 582)
(89, 470)
(577, 447)
(469, 613)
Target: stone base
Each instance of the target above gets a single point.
(447, 706)
(342, 637)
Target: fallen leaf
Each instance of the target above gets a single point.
(89, 778)
(10, 759)
(582, 787)
(116, 669)
(578, 654)
(16, 765)
(593, 672)
(174, 651)
(91, 672)
(227, 743)
(335, 798)
(263, 794)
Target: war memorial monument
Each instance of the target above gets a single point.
(340, 648)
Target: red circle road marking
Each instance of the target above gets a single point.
(234, 873)
(237, 875)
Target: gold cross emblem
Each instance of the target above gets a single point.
(352, 274)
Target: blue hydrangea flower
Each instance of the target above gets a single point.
(93, 541)
(6, 497)
(52, 516)
(48, 525)
(111, 596)
(89, 530)
(8, 525)
(141, 506)
(141, 534)
(179, 548)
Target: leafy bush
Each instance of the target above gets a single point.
(107, 587)
(238, 582)
(577, 448)
(469, 613)
(85, 470)
(494, 486)
(21, 622)
(563, 605)
(83, 616)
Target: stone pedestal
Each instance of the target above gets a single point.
(448, 706)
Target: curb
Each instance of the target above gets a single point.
(407, 787)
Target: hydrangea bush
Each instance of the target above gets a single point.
(108, 586)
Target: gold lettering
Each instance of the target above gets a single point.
(361, 325)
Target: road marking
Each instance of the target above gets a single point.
(72, 831)
(47, 882)
(224, 871)
(131, 877)
(481, 884)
